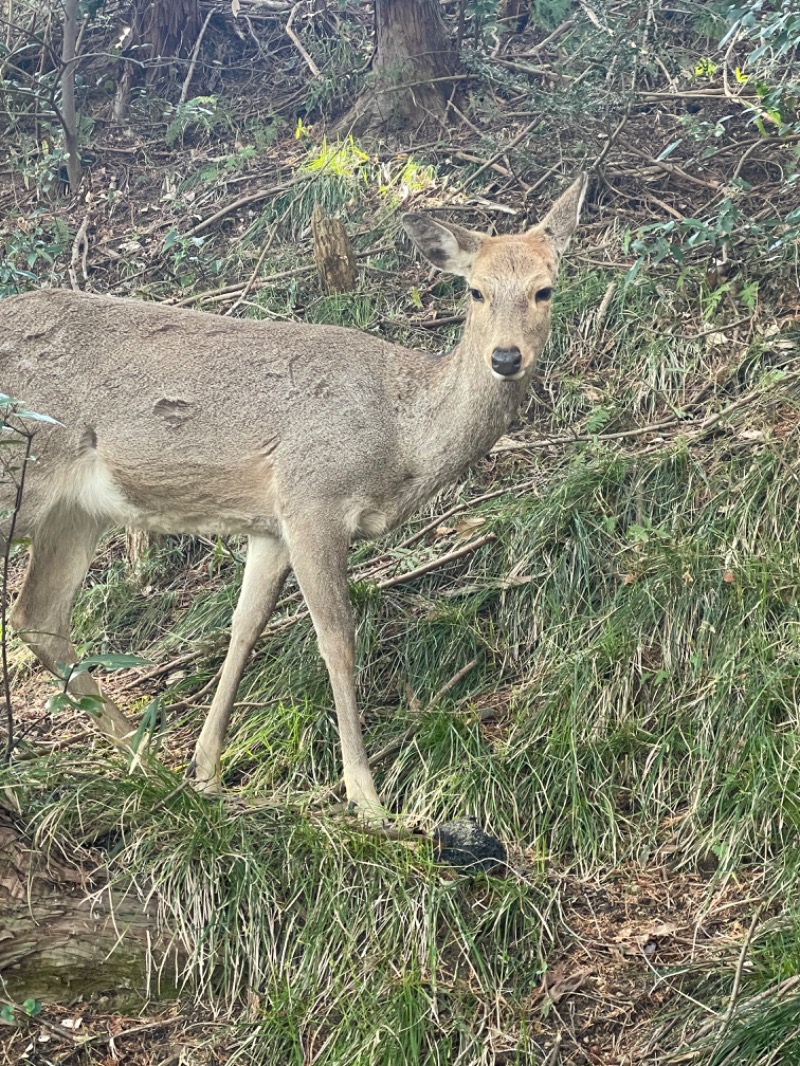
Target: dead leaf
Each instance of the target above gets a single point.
(661, 931)
(513, 581)
(557, 987)
(467, 526)
(716, 340)
(646, 940)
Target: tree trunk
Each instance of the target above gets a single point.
(333, 252)
(138, 545)
(69, 117)
(66, 933)
(160, 30)
(169, 27)
(411, 70)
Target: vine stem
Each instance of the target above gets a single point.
(10, 742)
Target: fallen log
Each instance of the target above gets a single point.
(66, 930)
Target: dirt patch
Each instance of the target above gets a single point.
(641, 937)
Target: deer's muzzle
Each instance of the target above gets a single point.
(507, 362)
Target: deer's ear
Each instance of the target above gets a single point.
(561, 220)
(448, 247)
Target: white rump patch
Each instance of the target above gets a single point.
(365, 521)
(92, 488)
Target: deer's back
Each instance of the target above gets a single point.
(188, 410)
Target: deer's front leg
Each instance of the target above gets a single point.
(319, 558)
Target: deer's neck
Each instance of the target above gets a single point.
(458, 414)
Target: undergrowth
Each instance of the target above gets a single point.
(608, 680)
(629, 641)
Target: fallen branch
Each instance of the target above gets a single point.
(740, 964)
(434, 564)
(243, 201)
(700, 427)
(80, 251)
(63, 928)
(187, 81)
(312, 66)
(228, 292)
(490, 163)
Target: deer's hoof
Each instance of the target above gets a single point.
(205, 782)
(371, 813)
(465, 845)
(209, 787)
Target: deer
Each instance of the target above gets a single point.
(300, 437)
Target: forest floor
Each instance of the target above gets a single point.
(606, 676)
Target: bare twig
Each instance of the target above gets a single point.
(679, 172)
(312, 66)
(58, 1031)
(504, 445)
(161, 1023)
(491, 163)
(248, 285)
(612, 140)
(468, 157)
(10, 743)
(243, 201)
(80, 251)
(230, 292)
(434, 564)
(459, 508)
(553, 1054)
(700, 426)
(193, 60)
(196, 697)
(540, 181)
(737, 976)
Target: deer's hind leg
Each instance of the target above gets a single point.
(62, 547)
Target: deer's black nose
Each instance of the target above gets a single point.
(506, 361)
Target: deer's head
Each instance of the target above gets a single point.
(511, 280)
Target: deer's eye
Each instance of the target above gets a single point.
(543, 295)
(476, 295)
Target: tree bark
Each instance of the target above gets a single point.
(411, 70)
(65, 932)
(69, 118)
(160, 30)
(333, 252)
(138, 543)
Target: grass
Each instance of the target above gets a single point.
(321, 922)
(632, 705)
